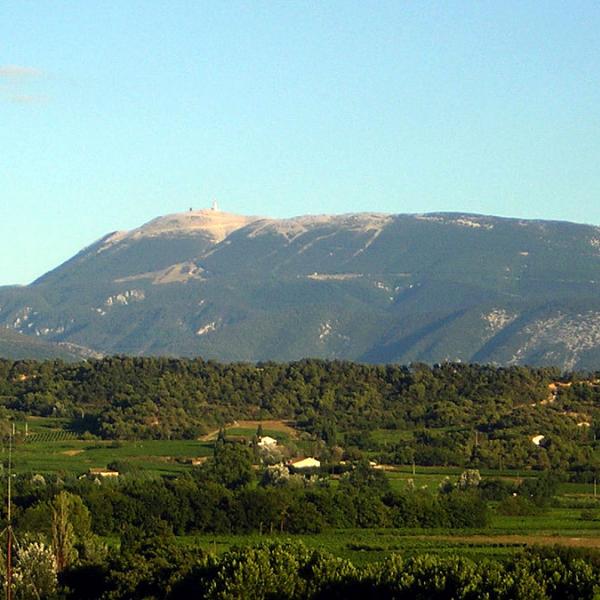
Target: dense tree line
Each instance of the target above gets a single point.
(60, 555)
(149, 397)
(465, 415)
(224, 496)
(157, 568)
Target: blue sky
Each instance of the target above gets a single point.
(112, 113)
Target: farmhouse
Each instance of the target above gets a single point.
(537, 440)
(305, 463)
(267, 442)
(99, 472)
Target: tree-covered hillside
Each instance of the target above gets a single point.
(451, 413)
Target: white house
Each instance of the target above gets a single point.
(537, 440)
(99, 472)
(267, 442)
(306, 463)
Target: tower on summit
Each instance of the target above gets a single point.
(214, 206)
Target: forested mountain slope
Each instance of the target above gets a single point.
(368, 287)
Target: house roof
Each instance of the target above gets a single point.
(103, 472)
(267, 440)
(307, 462)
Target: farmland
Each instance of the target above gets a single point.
(363, 546)
(51, 448)
(165, 458)
(505, 535)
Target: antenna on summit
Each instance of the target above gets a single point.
(214, 206)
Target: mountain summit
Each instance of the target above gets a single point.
(207, 222)
(370, 287)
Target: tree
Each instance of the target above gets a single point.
(232, 465)
(470, 478)
(70, 521)
(35, 570)
(63, 536)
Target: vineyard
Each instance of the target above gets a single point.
(50, 436)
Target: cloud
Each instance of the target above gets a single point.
(27, 99)
(18, 72)
(18, 84)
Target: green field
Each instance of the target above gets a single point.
(391, 436)
(362, 546)
(506, 536)
(160, 457)
(50, 447)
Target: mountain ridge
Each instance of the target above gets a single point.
(364, 286)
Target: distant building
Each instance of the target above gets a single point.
(537, 440)
(98, 472)
(305, 463)
(267, 442)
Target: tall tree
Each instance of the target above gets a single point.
(63, 534)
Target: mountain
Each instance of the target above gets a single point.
(367, 287)
(17, 346)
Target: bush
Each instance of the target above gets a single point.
(496, 489)
(123, 466)
(590, 515)
(517, 506)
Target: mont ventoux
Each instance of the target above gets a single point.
(367, 287)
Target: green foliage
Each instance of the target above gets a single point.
(155, 568)
(540, 489)
(63, 533)
(517, 506)
(34, 570)
(148, 566)
(123, 466)
(232, 465)
(261, 572)
(449, 414)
